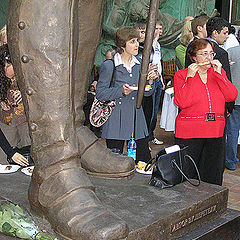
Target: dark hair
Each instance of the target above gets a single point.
(198, 21)
(123, 35)
(198, 44)
(5, 82)
(159, 22)
(231, 29)
(216, 23)
(140, 25)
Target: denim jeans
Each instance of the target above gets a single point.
(232, 133)
(156, 102)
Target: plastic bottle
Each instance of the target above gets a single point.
(132, 147)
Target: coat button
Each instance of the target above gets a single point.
(33, 127)
(21, 25)
(29, 92)
(132, 98)
(130, 75)
(25, 59)
(120, 103)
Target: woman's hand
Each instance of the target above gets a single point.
(20, 159)
(192, 69)
(217, 66)
(5, 106)
(152, 67)
(126, 90)
(153, 73)
(94, 84)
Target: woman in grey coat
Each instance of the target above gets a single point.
(122, 72)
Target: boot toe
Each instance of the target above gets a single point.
(100, 161)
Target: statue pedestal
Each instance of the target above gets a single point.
(151, 213)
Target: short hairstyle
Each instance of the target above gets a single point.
(216, 23)
(140, 25)
(198, 44)
(159, 22)
(198, 21)
(186, 35)
(123, 35)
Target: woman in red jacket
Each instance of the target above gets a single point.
(201, 91)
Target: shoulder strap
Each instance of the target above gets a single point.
(112, 79)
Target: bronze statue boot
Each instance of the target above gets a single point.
(96, 159)
(99, 161)
(43, 45)
(63, 194)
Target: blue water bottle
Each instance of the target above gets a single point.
(132, 147)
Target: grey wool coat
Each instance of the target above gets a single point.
(120, 124)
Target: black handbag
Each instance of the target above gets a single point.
(25, 151)
(169, 169)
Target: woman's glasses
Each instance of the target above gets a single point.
(206, 54)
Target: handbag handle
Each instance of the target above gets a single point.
(148, 165)
(179, 169)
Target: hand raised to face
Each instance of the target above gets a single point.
(192, 69)
(217, 66)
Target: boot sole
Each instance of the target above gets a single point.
(112, 175)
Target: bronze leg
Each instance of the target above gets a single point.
(41, 36)
(95, 158)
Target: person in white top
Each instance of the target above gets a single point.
(159, 85)
(232, 39)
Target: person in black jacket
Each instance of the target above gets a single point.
(217, 32)
(199, 30)
(12, 152)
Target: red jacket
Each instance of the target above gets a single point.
(195, 99)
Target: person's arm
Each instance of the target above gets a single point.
(104, 92)
(183, 87)
(228, 90)
(12, 152)
(6, 147)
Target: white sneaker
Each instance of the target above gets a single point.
(156, 141)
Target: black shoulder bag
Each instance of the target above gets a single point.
(168, 169)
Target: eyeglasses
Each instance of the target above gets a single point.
(206, 54)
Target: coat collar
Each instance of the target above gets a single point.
(118, 61)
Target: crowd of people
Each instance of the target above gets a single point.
(205, 88)
(13, 124)
(203, 92)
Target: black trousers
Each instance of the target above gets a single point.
(147, 105)
(142, 153)
(209, 156)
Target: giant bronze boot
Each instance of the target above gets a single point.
(41, 36)
(95, 158)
